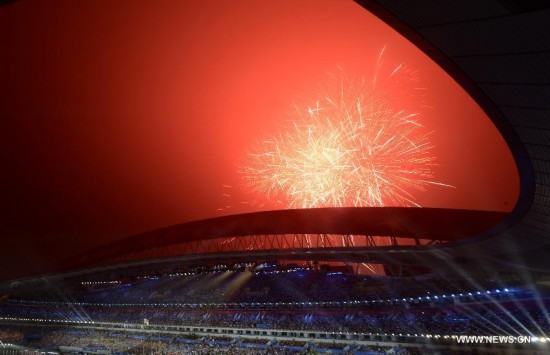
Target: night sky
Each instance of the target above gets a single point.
(119, 117)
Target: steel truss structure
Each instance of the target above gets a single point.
(275, 242)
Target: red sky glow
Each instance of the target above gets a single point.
(120, 117)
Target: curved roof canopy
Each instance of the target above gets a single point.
(426, 223)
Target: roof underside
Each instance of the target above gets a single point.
(498, 51)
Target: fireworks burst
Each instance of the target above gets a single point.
(356, 146)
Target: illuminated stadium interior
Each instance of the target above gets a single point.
(293, 177)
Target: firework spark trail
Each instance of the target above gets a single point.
(354, 147)
(359, 144)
